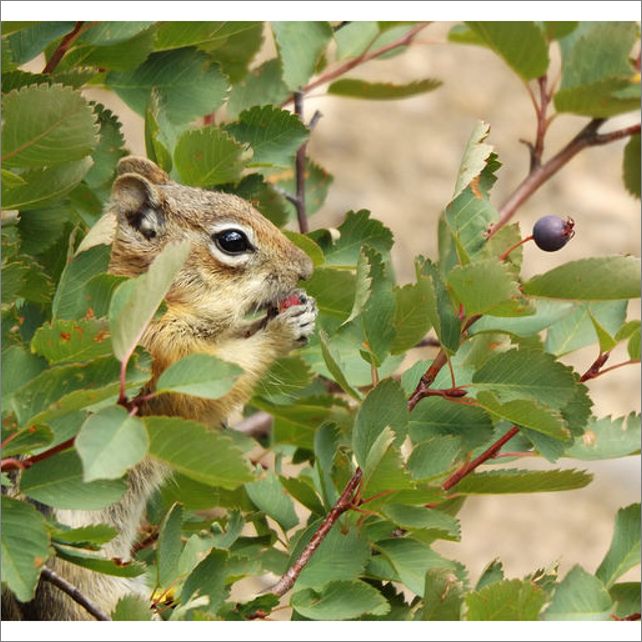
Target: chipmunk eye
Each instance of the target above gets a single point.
(232, 242)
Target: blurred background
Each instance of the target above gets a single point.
(399, 159)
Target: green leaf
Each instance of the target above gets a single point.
(45, 186)
(626, 596)
(134, 302)
(607, 439)
(262, 86)
(18, 368)
(96, 562)
(27, 440)
(341, 556)
(300, 45)
(306, 244)
(580, 596)
(109, 150)
(356, 88)
(269, 496)
(435, 416)
(302, 489)
(412, 560)
(45, 126)
(208, 156)
(521, 44)
(579, 327)
(85, 536)
(131, 608)
(443, 597)
(597, 75)
(208, 579)
(110, 443)
(239, 50)
(341, 600)
(158, 132)
(287, 379)
(12, 180)
(58, 482)
(25, 547)
(433, 457)
(332, 361)
(413, 314)
(357, 230)
(474, 158)
(39, 230)
(493, 572)
(188, 86)
(596, 278)
(384, 406)
(506, 600)
(274, 134)
(624, 552)
(481, 286)
(558, 30)
(200, 375)
(436, 523)
(62, 341)
(631, 166)
(201, 454)
(170, 546)
(27, 42)
(209, 36)
(522, 481)
(317, 184)
(527, 374)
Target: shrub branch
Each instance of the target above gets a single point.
(63, 47)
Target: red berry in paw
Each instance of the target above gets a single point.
(289, 301)
(552, 233)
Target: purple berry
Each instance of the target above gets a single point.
(552, 233)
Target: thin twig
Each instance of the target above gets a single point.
(62, 48)
(344, 503)
(299, 170)
(330, 75)
(74, 593)
(617, 365)
(587, 137)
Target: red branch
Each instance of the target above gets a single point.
(62, 48)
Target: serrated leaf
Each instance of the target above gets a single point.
(597, 76)
(18, 368)
(187, 84)
(207, 35)
(356, 88)
(200, 375)
(109, 149)
(58, 482)
(273, 134)
(580, 596)
(262, 86)
(506, 600)
(493, 572)
(522, 481)
(626, 597)
(341, 600)
(110, 443)
(26, 440)
(302, 489)
(25, 547)
(207, 579)
(607, 439)
(474, 158)
(267, 200)
(286, 380)
(45, 126)
(434, 416)
(40, 229)
(624, 552)
(62, 341)
(357, 230)
(45, 186)
(412, 560)
(439, 524)
(332, 361)
(521, 44)
(93, 535)
(413, 313)
(594, 278)
(481, 286)
(433, 457)
(363, 286)
(98, 563)
(189, 448)
(443, 597)
(27, 42)
(631, 166)
(269, 496)
(135, 301)
(384, 406)
(131, 608)
(239, 50)
(300, 44)
(208, 156)
(170, 545)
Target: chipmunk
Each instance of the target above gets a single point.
(239, 263)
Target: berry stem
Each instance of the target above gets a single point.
(504, 255)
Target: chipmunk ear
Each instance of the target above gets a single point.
(143, 166)
(138, 204)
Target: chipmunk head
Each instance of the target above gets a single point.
(239, 263)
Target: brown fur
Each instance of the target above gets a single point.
(205, 313)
